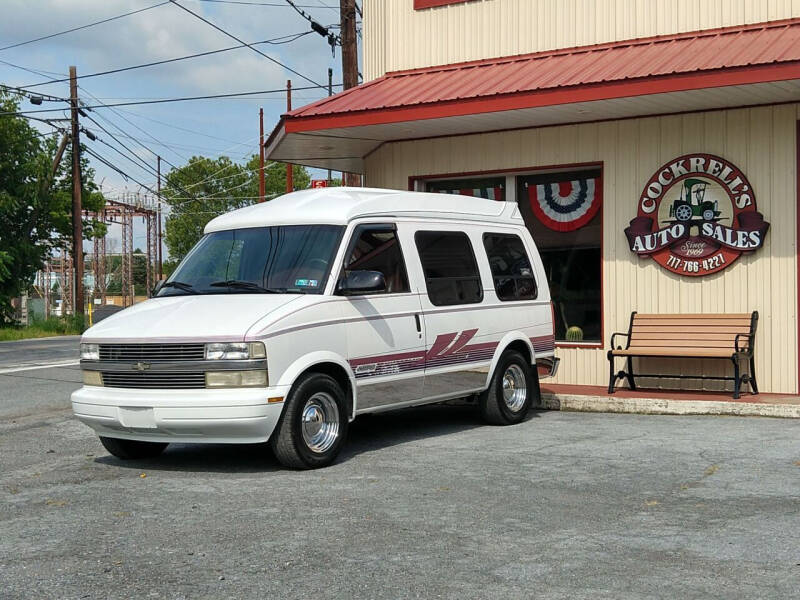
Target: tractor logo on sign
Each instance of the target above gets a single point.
(696, 215)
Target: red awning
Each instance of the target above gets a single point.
(755, 64)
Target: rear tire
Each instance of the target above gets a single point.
(132, 449)
(313, 426)
(511, 391)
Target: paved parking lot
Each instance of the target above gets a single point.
(424, 503)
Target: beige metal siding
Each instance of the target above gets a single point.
(398, 37)
(761, 141)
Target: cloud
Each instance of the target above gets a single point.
(162, 33)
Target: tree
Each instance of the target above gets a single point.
(35, 208)
(205, 188)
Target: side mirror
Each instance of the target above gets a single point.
(157, 287)
(362, 282)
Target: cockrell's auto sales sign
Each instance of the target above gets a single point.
(696, 215)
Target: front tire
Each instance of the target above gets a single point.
(132, 449)
(511, 391)
(314, 423)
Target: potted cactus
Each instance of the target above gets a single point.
(574, 334)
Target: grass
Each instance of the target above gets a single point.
(72, 325)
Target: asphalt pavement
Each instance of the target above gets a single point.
(423, 503)
(28, 384)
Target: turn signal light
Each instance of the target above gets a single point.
(236, 379)
(92, 378)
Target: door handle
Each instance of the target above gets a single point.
(419, 324)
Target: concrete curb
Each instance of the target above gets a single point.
(663, 406)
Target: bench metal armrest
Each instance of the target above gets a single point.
(749, 337)
(613, 337)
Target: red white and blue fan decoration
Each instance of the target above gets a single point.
(565, 205)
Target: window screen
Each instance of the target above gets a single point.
(375, 248)
(511, 269)
(448, 262)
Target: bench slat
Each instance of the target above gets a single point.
(687, 332)
(692, 323)
(680, 353)
(678, 344)
(697, 316)
(674, 335)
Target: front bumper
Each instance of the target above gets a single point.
(241, 416)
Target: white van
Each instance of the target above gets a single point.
(290, 318)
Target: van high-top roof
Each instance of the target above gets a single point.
(340, 205)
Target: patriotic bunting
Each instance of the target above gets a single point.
(566, 205)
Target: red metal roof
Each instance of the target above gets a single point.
(711, 58)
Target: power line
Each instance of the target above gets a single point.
(325, 32)
(280, 4)
(32, 71)
(27, 94)
(279, 40)
(183, 99)
(134, 125)
(52, 35)
(138, 160)
(254, 49)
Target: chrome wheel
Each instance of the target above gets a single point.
(515, 388)
(320, 422)
(708, 214)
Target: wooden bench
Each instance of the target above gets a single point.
(700, 336)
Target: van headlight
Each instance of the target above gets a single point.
(236, 379)
(90, 352)
(235, 350)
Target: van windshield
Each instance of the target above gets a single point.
(293, 259)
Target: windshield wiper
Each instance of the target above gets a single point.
(185, 287)
(244, 285)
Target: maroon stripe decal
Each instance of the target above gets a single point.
(441, 342)
(462, 340)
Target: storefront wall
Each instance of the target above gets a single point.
(398, 37)
(761, 141)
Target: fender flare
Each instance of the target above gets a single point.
(505, 341)
(307, 361)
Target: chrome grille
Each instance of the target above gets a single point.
(176, 380)
(152, 352)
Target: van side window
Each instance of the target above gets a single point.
(511, 269)
(375, 248)
(448, 262)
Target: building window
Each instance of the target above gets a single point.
(375, 248)
(493, 188)
(511, 269)
(563, 212)
(451, 272)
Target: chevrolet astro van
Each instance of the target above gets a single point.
(288, 319)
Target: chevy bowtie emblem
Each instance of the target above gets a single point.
(141, 366)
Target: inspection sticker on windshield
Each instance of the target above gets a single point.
(306, 282)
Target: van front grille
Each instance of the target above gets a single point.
(152, 352)
(173, 380)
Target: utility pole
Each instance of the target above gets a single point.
(289, 166)
(77, 225)
(347, 15)
(330, 93)
(158, 191)
(261, 185)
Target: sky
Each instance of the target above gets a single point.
(176, 130)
